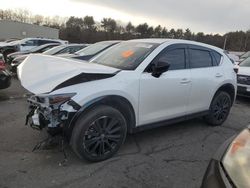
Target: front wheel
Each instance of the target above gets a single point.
(219, 109)
(99, 134)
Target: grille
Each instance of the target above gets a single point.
(242, 79)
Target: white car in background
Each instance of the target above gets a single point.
(243, 78)
(135, 85)
(26, 44)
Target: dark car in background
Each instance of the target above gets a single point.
(5, 76)
(92, 50)
(38, 49)
(230, 166)
(62, 49)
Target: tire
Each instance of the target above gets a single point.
(219, 109)
(99, 133)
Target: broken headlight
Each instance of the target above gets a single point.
(55, 99)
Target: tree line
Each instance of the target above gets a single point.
(87, 30)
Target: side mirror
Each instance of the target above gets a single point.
(159, 68)
(23, 44)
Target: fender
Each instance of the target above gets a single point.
(118, 102)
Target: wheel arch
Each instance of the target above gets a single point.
(118, 102)
(229, 88)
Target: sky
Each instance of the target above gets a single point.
(212, 16)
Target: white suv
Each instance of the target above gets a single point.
(26, 44)
(135, 85)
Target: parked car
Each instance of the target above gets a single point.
(26, 44)
(230, 166)
(61, 49)
(133, 86)
(244, 56)
(5, 76)
(38, 49)
(243, 78)
(234, 58)
(65, 49)
(92, 50)
(4, 43)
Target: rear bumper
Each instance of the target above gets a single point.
(5, 79)
(215, 175)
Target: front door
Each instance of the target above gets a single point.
(165, 97)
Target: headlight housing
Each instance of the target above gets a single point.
(56, 99)
(237, 160)
(60, 98)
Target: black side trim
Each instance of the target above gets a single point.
(74, 105)
(83, 77)
(169, 122)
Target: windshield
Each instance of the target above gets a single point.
(94, 48)
(41, 48)
(53, 50)
(126, 55)
(245, 55)
(245, 63)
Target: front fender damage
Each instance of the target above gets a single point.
(51, 116)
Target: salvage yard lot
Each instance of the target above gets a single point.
(171, 156)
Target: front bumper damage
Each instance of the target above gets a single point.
(53, 117)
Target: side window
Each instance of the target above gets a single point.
(30, 43)
(175, 57)
(217, 57)
(200, 58)
(41, 42)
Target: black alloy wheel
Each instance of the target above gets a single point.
(103, 136)
(219, 109)
(99, 133)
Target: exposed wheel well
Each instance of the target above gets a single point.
(117, 102)
(229, 88)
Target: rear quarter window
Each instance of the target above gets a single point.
(200, 58)
(217, 58)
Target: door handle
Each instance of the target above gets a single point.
(218, 75)
(185, 81)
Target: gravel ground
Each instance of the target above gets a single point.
(171, 156)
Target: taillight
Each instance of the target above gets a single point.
(2, 65)
(236, 70)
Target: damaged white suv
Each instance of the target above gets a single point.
(135, 85)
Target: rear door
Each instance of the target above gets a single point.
(206, 75)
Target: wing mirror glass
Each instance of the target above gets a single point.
(159, 68)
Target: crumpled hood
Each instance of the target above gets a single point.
(42, 73)
(244, 71)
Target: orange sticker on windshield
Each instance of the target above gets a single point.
(127, 53)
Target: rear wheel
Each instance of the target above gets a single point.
(219, 109)
(99, 134)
